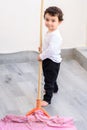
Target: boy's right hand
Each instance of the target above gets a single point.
(39, 49)
(38, 58)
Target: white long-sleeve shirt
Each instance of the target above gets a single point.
(52, 46)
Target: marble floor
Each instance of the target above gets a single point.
(18, 90)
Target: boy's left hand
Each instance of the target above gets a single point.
(38, 58)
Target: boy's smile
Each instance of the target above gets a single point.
(51, 22)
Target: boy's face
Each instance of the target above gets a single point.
(51, 22)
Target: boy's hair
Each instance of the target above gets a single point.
(54, 11)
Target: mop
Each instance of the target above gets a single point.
(38, 101)
(38, 118)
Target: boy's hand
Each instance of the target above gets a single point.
(38, 58)
(39, 49)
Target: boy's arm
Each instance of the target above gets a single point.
(54, 46)
(39, 58)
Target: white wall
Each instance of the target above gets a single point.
(20, 24)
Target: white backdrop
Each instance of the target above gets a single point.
(20, 24)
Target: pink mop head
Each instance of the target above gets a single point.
(36, 121)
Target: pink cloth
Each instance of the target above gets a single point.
(36, 121)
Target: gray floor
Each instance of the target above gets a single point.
(18, 90)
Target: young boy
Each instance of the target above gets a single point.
(50, 55)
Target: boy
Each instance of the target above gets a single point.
(50, 55)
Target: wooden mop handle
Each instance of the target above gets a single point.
(40, 62)
(41, 23)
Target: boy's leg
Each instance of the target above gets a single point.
(50, 70)
(55, 87)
